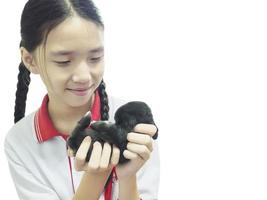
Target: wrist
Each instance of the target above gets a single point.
(91, 185)
(127, 179)
(128, 188)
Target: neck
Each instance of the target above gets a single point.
(65, 117)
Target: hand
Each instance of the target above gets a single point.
(138, 150)
(101, 159)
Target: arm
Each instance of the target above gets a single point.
(96, 171)
(91, 186)
(128, 189)
(146, 179)
(144, 164)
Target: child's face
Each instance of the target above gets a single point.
(73, 76)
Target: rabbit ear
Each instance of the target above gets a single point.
(77, 134)
(85, 121)
(82, 124)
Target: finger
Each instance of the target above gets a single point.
(82, 152)
(105, 157)
(115, 155)
(148, 129)
(139, 138)
(129, 155)
(141, 150)
(94, 161)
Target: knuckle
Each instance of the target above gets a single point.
(143, 149)
(114, 161)
(146, 155)
(103, 166)
(92, 167)
(77, 167)
(146, 152)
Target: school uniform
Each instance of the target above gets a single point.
(41, 169)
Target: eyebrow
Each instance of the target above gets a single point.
(66, 53)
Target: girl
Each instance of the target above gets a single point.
(62, 41)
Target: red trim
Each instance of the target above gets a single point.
(36, 127)
(108, 191)
(95, 110)
(44, 127)
(71, 175)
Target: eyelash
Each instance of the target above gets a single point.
(63, 63)
(94, 60)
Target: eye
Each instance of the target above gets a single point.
(96, 59)
(63, 63)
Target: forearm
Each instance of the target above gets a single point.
(128, 189)
(91, 186)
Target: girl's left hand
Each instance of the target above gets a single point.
(138, 150)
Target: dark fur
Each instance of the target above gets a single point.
(126, 118)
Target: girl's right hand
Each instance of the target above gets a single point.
(101, 159)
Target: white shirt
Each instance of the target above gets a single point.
(42, 170)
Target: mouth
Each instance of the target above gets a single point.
(80, 91)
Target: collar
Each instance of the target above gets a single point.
(43, 124)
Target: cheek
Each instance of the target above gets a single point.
(58, 79)
(98, 72)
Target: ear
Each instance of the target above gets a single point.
(28, 60)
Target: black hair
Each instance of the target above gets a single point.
(37, 20)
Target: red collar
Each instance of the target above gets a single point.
(43, 124)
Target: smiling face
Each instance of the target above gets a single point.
(73, 65)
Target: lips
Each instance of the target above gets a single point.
(81, 91)
(80, 88)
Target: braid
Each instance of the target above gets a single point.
(21, 93)
(104, 112)
(104, 101)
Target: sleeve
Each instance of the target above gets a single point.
(28, 187)
(148, 176)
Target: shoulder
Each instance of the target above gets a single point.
(21, 133)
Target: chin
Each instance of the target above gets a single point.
(78, 101)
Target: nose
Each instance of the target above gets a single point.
(82, 73)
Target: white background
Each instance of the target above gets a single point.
(201, 65)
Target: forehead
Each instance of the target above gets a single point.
(75, 34)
